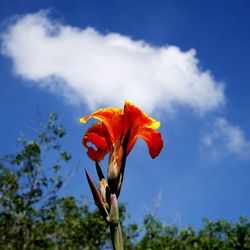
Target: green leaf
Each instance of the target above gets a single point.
(65, 156)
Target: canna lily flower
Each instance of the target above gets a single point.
(116, 133)
(117, 127)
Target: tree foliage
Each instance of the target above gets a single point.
(33, 216)
(221, 235)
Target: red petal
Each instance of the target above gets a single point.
(142, 125)
(111, 118)
(153, 140)
(97, 136)
(136, 117)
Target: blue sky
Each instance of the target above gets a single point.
(185, 62)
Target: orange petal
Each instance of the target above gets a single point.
(97, 136)
(153, 140)
(137, 117)
(111, 118)
(142, 125)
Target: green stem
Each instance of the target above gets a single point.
(116, 236)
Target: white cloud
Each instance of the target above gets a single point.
(225, 137)
(84, 65)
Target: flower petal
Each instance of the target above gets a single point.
(111, 118)
(97, 136)
(135, 116)
(153, 140)
(142, 125)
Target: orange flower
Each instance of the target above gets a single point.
(115, 124)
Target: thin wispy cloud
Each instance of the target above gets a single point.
(86, 66)
(225, 138)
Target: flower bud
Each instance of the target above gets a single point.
(97, 196)
(114, 211)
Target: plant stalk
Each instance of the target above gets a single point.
(116, 236)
